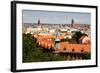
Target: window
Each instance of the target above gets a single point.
(73, 49)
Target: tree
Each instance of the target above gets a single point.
(28, 42)
(87, 55)
(76, 37)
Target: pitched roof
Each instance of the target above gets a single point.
(82, 37)
(48, 36)
(65, 46)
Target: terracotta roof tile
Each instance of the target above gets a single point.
(64, 46)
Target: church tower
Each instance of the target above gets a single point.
(39, 22)
(72, 22)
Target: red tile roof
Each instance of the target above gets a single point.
(63, 46)
(48, 36)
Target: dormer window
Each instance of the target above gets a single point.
(82, 50)
(73, 49)
(64, 48)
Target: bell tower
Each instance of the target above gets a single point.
(72, 22)
(39, 22)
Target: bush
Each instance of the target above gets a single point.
(87, 55)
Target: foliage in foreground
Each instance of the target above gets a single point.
(87, 55)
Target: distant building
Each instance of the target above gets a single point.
(39, 22)
(72, 23)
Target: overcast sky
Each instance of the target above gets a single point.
(53, 17)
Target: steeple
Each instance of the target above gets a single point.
(38, 21)
(72, 22)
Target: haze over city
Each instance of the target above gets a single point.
(54, 17)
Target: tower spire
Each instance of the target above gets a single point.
(38, 21)
(72, 22)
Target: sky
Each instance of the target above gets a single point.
(55, 17)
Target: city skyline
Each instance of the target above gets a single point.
(55, 17)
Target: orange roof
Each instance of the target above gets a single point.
(67, 46)
(48, 36)
(76, 47)
(46, 43)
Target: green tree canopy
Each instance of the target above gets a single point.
(76, 37)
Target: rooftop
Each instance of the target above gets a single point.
(63, 46)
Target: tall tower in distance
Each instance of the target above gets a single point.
(72, 22)
(39, 22)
